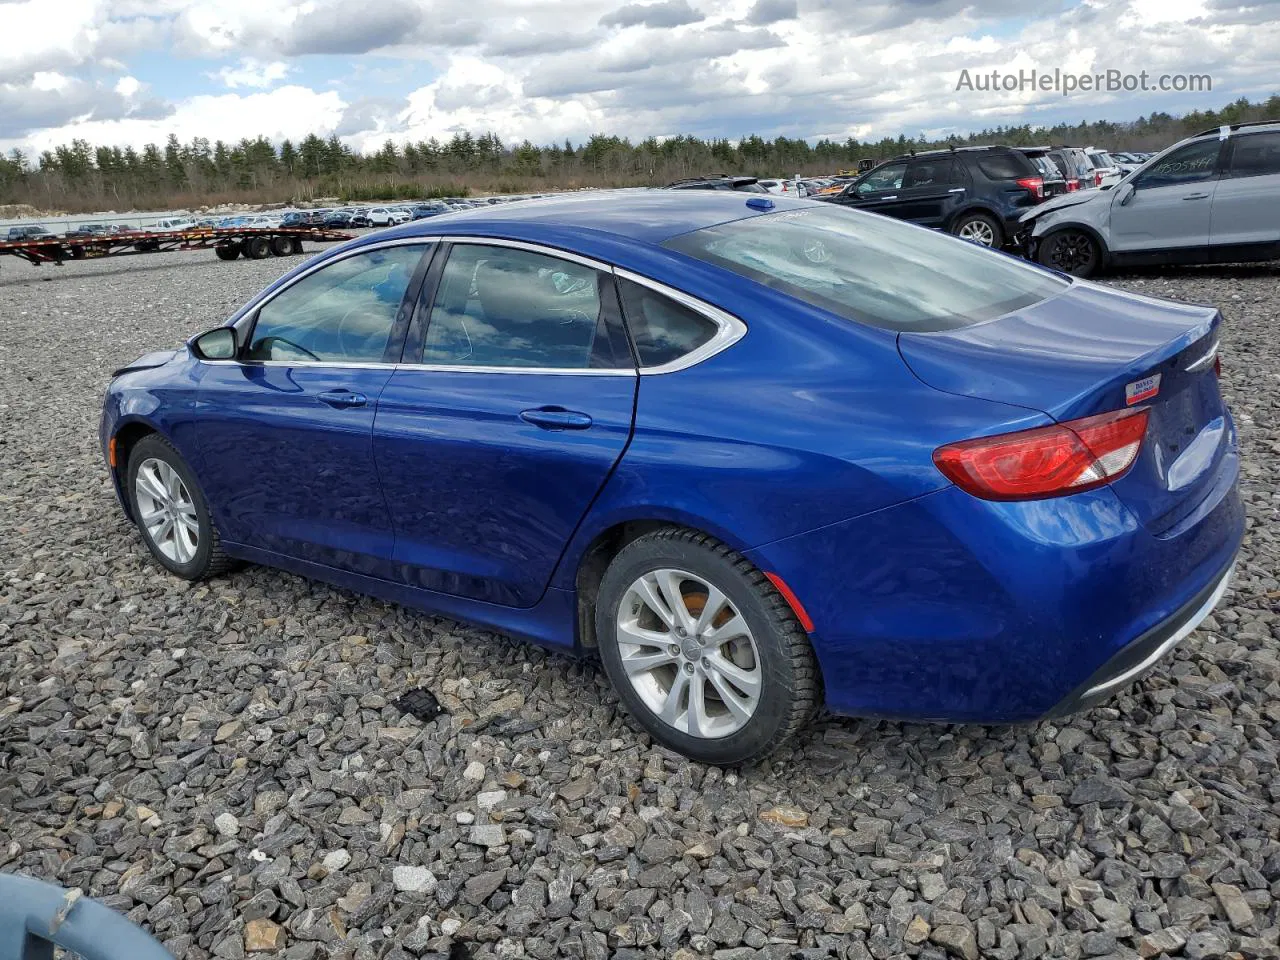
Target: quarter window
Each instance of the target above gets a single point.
(502, 307)
(663, 330)
(344, 312)
(1256, 155)
(1191, 164)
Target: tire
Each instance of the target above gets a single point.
(228, 250)
(980, 229)
(156, 458)
(1070, 251)
(295, 245)
(257, 248)
(281, 246)
(773, 652)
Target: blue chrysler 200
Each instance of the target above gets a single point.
(761, 454)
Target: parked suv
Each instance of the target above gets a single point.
(1213, 198)
(28, 232)
(1107, 172)
(977, 193)
(722, 182)
(1055, 184)
(1075, 166)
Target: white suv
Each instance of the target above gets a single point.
(1213, 198)
(386, 216)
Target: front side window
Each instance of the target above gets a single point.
(345, 312)
(662, 329)
(888, 177)
(501, 307)
(1191, 164)
(1256, 155)
(872, 269)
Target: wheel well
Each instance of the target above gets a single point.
(126, 438)
(1103, 253)
(595, 560)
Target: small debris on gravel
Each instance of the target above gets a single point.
(420, 703)
(533, 819)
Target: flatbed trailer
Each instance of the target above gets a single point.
(254, 243)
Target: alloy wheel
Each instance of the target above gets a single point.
(977, 231)
(1071, 252)
(688, 653)
(167, 510)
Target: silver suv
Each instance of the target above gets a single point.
(1213, 198)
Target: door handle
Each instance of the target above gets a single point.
(1195, 196)
(342, 399)
(956, 190)
(556, 418)
(894, 197)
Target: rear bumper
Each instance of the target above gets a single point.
(1141, 656)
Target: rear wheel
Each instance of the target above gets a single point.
(1070, 251)
(702, 649)
(228, 250)
(171, 512)
(281, 246)
(257, 248)
(295, 245)
(980, 229)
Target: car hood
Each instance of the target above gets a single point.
(1066, 200)
(148, 361)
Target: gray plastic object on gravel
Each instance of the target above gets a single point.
(36, 916)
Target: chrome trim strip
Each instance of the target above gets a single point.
(1181, 634)
(543, 249)
(730, 331)
(1206, 360)
(553, 371)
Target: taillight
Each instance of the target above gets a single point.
(1097, 179)
(1045, 462)
(1073, 186)
(1217, 365)
(1034, 184)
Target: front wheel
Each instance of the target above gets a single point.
(171, 512)
(704, 652)
(980, 229)
(1070, 251)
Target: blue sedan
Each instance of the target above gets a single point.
(757, 454)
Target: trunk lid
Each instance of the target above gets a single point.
(1093, 350)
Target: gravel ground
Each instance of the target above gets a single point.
(221, 761)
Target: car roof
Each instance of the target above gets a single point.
(646, 216)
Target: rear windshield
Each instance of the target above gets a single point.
(872, 269)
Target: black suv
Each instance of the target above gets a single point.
(722, 182)
(973, 192)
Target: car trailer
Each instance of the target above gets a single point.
(254, 243)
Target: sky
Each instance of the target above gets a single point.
(129, 72)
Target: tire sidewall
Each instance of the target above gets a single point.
(646, 555)
(1052, 240)
(997, 232)
(155, 448)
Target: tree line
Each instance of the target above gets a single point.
(80, 176)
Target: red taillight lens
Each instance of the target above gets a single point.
(1097, 179)
(1034, 184)
(1073, 186)
(1217, 365)
(1045, 462)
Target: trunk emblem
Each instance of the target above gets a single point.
(1140, 390)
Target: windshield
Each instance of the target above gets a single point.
(872, 269)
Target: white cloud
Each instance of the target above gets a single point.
(127, 86)
(253, 73)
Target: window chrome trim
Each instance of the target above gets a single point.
(525, 245)
(729, 328)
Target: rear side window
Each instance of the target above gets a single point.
(930, 172)
(872, 269)
(1005, 166)
(502, 307)
(1256, 155)
(663, 330)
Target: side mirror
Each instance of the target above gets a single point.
(216, 344)
(1127, 191)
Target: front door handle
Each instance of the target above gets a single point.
(956, 190)
(894, 197)
(556, 418)
(343, 399)
(1195, 196)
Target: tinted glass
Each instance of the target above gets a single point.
(1190, 164)
(662, 329)
(1005, 166)
(499, 307)
(872, 269)
(888, 177)
(344, 312)
(1257, 155)
(930, 172)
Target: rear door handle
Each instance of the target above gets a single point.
(956, 190)
(1195, 196)
(342, 399)
(556, 418)
(894, 197)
